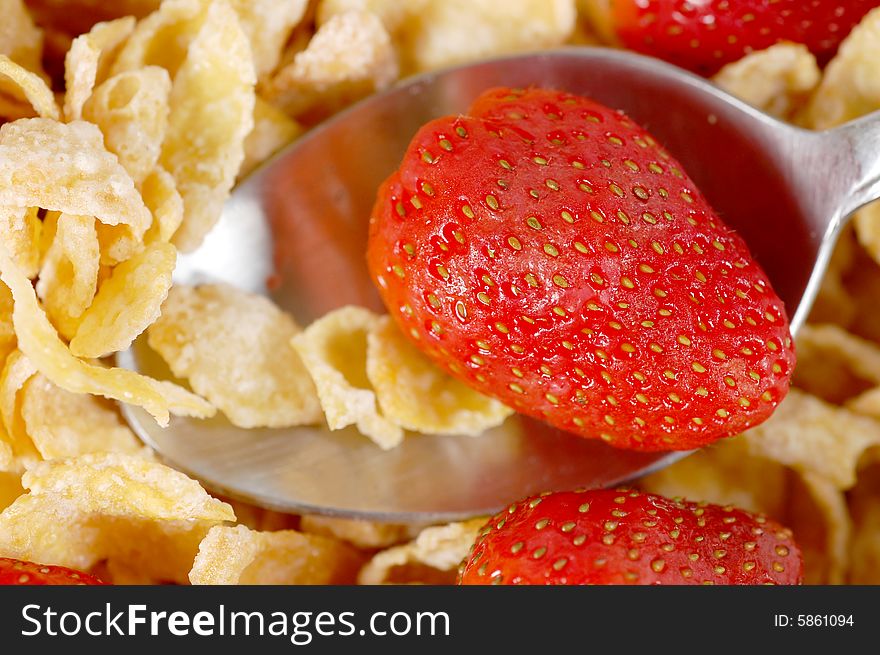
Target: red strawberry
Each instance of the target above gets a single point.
(548, 252)
(703, 35)
(627, 537)
(18, 572)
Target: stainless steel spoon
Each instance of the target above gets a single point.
(302, 221)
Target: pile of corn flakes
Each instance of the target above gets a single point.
(123, 129)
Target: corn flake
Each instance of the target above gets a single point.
(392, 13)
(64, 167)
(334, 350)
(17, 370)
(39, 341)
(234, 348)
(818, 516)
(7, 330)
(237, 555)
(110, 506)
(416, 395)
(260, 518)
(164, 202)
(69, 275)
(432, 557)
(10, 488)
(18, 80)
(834, 364)
(212, 97)
(127, 302)
(447, 32)
(20, 39)
(815, 438)
(867, 227)
(851, 85)
(725, 474)
(777, 80)
(349, 57)
(88, 54)
(864, 507)
(64, 424)
(162, 38)
(272, 130)
(268, 24)
(20, 231)
(131, 109)
(360, 533)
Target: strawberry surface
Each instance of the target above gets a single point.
(549, 252)
(703, 35)
(627, 537)
(18, 572)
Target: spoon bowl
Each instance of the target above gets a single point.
(296, 230)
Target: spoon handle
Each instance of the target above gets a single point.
(861, 138)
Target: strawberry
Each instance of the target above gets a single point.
(627, 537)
(18, 572)
(703, 35)
(550, 253)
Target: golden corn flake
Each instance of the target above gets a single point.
(268, 24)
(118, 572)
(272, 130)
(7, 330)
(867, 227)
(815, 438)
(110, 506)
(20, 232)
(834, 364)
(17, 370)
(39, 341)
(13, 110)
(818, 516)
(360, 533)
(777, 80)
(164, 202)
(8, 463)
(161, 39)
(131, 109)
(416, 395)
(260, 518)
(349, 57)
(234, 348)
(127, 302)
(84, 58)
(441, 548)
(596, 14)
(725, 474)
(69, 276)
(20, 39)
(212, 97)
(64, 424)
(447, 32)
(65, 167)
(334, 350)
(17, 80)
(392, 13)
(864, 508)
(10, 488)
(851, 85)
(237, 555)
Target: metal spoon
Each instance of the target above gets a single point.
(302, 220)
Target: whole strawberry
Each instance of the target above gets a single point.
(627, 537)
(18, 572)
(549, 252)
(703, 35)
